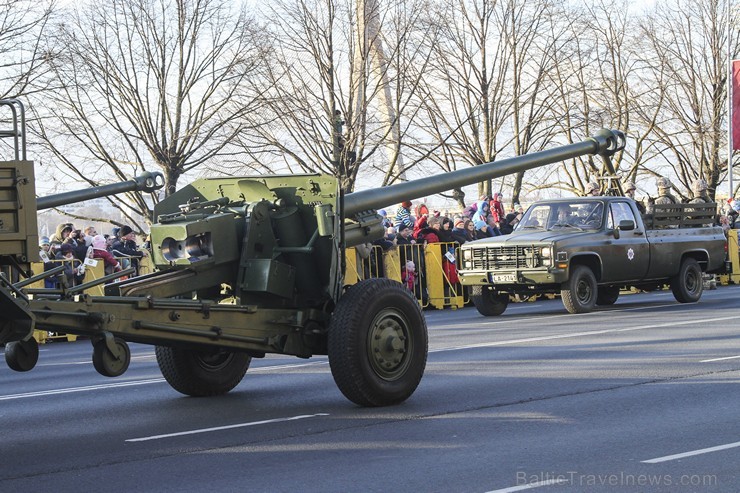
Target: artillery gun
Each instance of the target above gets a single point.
(254, 265)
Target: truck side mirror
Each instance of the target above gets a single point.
(626, 225)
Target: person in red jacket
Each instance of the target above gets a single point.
(100, 251)
(498, 214)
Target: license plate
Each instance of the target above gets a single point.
(503, 278)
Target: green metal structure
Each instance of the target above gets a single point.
(250, 266)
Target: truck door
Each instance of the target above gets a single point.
(628, 257)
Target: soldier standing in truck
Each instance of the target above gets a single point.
(664, 193)
(699, 189)
(629, 191)
(592, 189)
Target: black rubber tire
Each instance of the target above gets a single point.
(607, 295)
(488, 302)
(580, 291)
(688, 285)
(202, 373)
(378, 343)
(105, 363)
(22, 355)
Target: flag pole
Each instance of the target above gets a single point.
(730, 98)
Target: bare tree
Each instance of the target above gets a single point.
(340, 82)
(688, 44)
(23, 24)
(484, 94)
(150, 81)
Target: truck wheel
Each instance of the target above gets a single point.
(607, 295)
(580, 291)
(377, 343)
(202, 373)
(688, 285)
(487, 301)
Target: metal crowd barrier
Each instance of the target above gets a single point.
(434, 282)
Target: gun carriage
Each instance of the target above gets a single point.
(246, 267)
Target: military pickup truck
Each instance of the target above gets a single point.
(587, 249)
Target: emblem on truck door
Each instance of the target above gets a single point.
(630, 254)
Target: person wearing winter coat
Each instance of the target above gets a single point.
(481, 230)
(458, 232)
(100, 251)
(444, 232)
(511, 220)
(470, 210)
(386, 222)
(62, 233)
(429, 234)
(125, 246)
(497, 210)
(403, 215)
(481, 213)
(420, 224)
(73, 270)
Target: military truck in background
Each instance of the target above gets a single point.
(247, 266)
(587, 249)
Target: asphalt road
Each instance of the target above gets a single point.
(640, 396)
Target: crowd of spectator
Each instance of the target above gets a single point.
(71, 247)
(410, 232)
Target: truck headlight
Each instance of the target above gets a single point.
(546, 252)
(467, 254)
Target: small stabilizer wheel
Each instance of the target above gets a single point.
(111, 357)
(22, 355)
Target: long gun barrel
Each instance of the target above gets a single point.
(146, 182)
(605, 142)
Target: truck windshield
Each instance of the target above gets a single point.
(576, 215)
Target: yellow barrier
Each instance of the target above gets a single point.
(733, 253)
(443, 291)
(430, 284)
(363, 263)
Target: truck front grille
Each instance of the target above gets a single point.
(506, 257)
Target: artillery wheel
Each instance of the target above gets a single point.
(108, 364)
(202, 373)
(488, 302)
(22, 355)
(607, 295)
(377, 343)
(580, 291)
(688, 285)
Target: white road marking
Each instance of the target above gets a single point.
(228, 427)
(138, 382)
(318, 363)
(79, 389)
(504, 320)
(577, 334)
(529, 486)
(692, 453)
(285, 367)
(719, 359)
